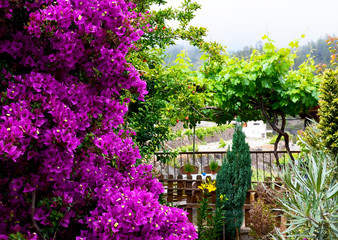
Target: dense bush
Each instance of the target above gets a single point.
(261, 220)
(234, 180)
(328, 111)
(66, 171)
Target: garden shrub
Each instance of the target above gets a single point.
(201, 133)
(188, 132)
(188, 148)
(67, 172)
(234, 180)
(328, 111)
(211, 130)
(261, 220)
(222, 143)
(311, 137)
(311, 195)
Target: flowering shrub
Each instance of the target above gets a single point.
(66, 171)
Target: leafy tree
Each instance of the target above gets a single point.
(151, 118)
(233, 181)
(263, 87)
(328, 111)
(66, 170)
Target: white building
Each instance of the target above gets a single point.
(255, 129)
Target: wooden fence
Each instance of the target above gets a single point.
(183, 192)
(263, 162)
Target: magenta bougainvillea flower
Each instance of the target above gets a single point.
(66, 171)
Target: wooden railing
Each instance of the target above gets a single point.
(263, 162)
(183, 192)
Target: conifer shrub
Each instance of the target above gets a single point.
(233, 180)
(328, 111)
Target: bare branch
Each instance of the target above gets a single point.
(210, 107)
(197, 111)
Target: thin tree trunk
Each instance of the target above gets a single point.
(193, 146)
(32, 216)
(281, 132)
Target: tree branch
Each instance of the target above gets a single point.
(286, 137)
(197, 111)
(210, 107)
(32, 216)
(280, 132)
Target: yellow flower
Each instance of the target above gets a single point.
(202, 187)
(211, 187)
(222, 197)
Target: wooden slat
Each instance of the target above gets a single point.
(180, 188)
(170, 190)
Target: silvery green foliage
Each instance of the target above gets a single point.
(311, 199)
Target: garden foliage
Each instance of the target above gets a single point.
(263, 86)
(233, 181)
(328, 111)
(66, 172)
(166, 102)
(209, 221)
(261, 220)
(311, 195)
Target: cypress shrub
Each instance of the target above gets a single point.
(233, 180)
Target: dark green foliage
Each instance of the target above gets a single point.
(328, 111)
(189, 168)
(213, 165)
(233, 180)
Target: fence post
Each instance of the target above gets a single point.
(188, 192)
(170, 188)
(180, 188)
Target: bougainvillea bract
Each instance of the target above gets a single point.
(66, 171)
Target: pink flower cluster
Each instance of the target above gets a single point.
(65, 166)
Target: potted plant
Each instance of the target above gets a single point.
(189, 168)
(213, 165)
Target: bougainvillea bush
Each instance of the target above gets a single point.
(66, 171)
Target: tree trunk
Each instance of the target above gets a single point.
(281, 132)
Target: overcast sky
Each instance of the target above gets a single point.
(239, 23)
